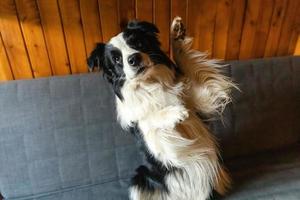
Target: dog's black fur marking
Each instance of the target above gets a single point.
(153, 177)
(142, 36)
(106, 56)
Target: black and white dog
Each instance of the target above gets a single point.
(159, 100)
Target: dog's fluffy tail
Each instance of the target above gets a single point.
(223, 183)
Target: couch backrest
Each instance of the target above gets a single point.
(266, 113)
(60, 133)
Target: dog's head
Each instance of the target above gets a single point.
(129, 54)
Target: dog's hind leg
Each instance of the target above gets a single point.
(145, 185)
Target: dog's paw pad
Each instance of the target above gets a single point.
(177, 29)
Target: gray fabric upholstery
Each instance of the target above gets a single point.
(273, 175)
(59, 139)
(265, 114)
(60, 133)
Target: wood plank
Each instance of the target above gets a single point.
(72, 25)
(144, 10)
(126, 12)
(91, 23)
(13, 40)
(201, 23)
(109, 18)
(249, 29)
(297, 48)
(179, 8)
(162, 21)
(5, 70)
(222, 23)
(263, 27)
(34, 37)
(295, 34)
(54, 36)
(276, 23)
(287, 27)
(235, 29)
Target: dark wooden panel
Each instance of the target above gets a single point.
(54, 36)
(287, 27)
(162, 21)
(126, 11)
(249, 28)
(179, 8)
(34, 38)
(235, 29)
(262, 29)
(276, 25)
(13, 40)
(222, 23)
(297, 47)
(144, 10)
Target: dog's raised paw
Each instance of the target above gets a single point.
(177, 29)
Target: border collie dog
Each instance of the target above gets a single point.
(159, 101)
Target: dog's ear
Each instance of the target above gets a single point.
(96, 58)
(143, 26)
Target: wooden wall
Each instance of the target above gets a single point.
(41, 38)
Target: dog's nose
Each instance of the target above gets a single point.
(135, 59)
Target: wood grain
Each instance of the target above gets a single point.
(179, 8)
(249, 29)
(297, 47)
(276, 25)
(295, 34)
(262, 29)
(126, 11)
(235, 29)
(72, 25)
(91, 23)
(13, 40)
(5, 70)
(144, 10)
(54, 37)
(34, 37)
(287, 27)
(162, 21)
(222, 23)
(202, 23)
(109, 18)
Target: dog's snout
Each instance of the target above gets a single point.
(135, 59)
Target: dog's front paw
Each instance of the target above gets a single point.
(180, 113)
(177, 29)
(177, 114)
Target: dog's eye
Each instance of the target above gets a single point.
(117, 59)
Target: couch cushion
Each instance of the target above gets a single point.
(266, 113)
(60, 133)
(273, 175)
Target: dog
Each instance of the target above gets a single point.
(158, 100)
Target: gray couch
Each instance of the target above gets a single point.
(59, 139)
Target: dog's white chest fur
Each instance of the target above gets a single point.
(157, 110)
